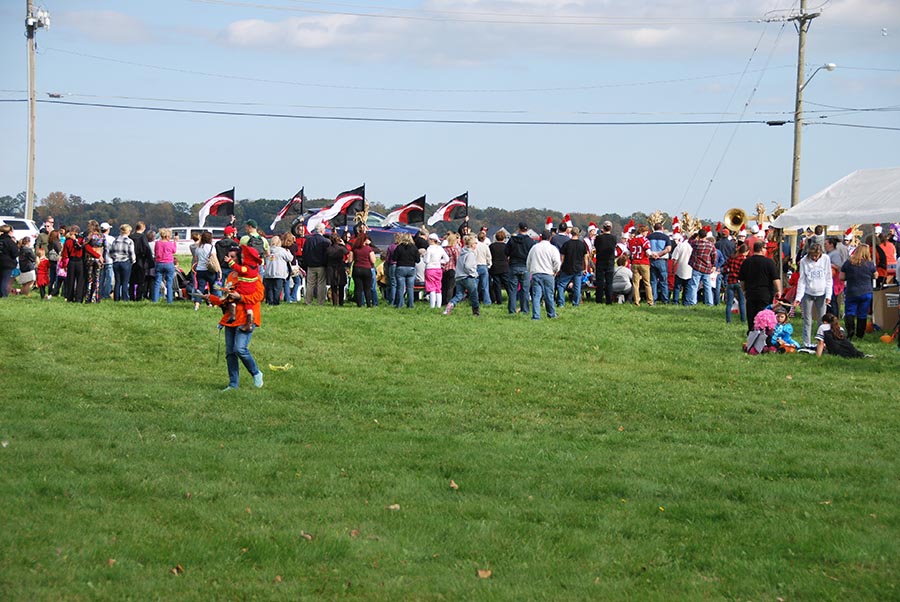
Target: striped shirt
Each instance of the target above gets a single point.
(732, 269)
(122, 249)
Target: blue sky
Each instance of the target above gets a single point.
(486, 60)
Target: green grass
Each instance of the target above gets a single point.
(613, 453)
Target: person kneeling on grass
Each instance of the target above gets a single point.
(830, 336)
(246, 295)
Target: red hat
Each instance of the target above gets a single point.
(592, 225)
(629, 227)
(676, 227)
(568, 220)
(848, 233)
(707, 229)
(878, 229)
(718, 227)
(229, 230)
(249, 257)
(549, 224)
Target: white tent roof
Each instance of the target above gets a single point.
(867, 196)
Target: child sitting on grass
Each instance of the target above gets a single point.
(782, 335)
(830, 336)
(759, 340)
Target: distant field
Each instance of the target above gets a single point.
(612, 454)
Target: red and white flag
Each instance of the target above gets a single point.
(411, 213)
(221, 204)
(295, 205)
(455, 208)
(351, 201)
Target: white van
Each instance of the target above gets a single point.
(21, 227)
(182, 237)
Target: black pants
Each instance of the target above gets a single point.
(75, 280)
(498, 285)
(603, 280)
(362, 283)
(754, 306)
(448, 285)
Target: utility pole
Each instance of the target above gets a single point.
(802, 22)
(33, 21)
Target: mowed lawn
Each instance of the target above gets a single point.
(613, 453)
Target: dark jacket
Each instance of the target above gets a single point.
(517, 249)
(314, 251)
(406, 255)
(9, 252)
(142, 252)
(499, 262)
(27, 259)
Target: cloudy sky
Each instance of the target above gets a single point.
(416, 97)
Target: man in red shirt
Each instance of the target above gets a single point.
(639, 251)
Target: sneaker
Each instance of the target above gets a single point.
(258, 380)
(806, 350)
(228, 388)
(448, 309)
(868, 355)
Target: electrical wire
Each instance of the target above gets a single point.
(392, 119)
(858, 125)
(595, 22)
(415, 90)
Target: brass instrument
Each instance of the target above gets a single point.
(734, 219)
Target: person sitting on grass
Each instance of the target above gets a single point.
(830, 336)
(759, 340)
(782, 336)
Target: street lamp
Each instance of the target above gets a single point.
(798, 123)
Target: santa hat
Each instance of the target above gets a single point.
(568, 220)
(592, 226)
(676, 227)
(848, 233)
(718, 227)
(743, 231)
(629, 227)
(250, 257)
(878, 229)
(549, 224)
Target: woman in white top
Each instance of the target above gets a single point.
(204, 277)
(435, 257)
(814, 288)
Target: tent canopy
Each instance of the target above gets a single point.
(866, 196)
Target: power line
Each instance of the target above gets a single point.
(594, 22)
(388, 89)
(857, 125)
(393, 119)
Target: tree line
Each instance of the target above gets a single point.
(73, 209)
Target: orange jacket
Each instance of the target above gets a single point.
(250, 300)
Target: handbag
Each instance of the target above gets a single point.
(212, 263)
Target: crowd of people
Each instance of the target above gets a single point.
(645, 265)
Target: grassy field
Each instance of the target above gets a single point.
(614, 453)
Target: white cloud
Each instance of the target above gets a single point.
(106, 26)
(312, 32)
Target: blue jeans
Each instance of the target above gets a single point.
(518, 276)
(5, 277)
(681, 284)
(106, 278)
(166, 270)
(484, 285)
(468, 285)
(237, 346)
(390, 273)
(406, 282)
(564, 280)
(206, 280)
(374, 288)
(122, 270)
(274, 287)
(659, 280)
(542, 286)
(698, 279)
(717, 289)
(733, 291)
(858, 307)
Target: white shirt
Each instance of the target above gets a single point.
(681, 255)
(543, 258)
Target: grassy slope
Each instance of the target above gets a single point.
(611, 453)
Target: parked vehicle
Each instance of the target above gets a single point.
(21, 227)
(182, 236)
(381, 236)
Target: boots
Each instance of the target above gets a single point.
(861, 324)
(850, 326)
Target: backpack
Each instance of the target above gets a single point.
(258, 244)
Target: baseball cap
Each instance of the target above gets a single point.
(251, 223)
(434, 236)
(105, 226)
(229, 230)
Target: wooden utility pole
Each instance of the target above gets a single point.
(33, 21)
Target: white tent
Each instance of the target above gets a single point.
(867, 196)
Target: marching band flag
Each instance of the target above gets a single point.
(455, 208)
(351, 201)
(410, 213)
(295, 205)
(221, 204)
